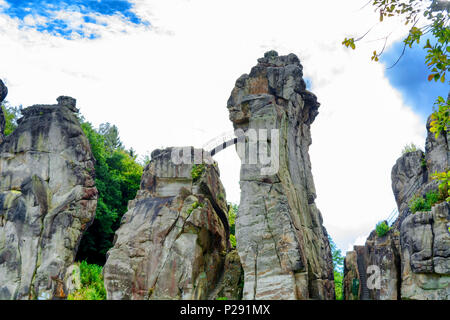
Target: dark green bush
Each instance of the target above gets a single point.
(382, 228)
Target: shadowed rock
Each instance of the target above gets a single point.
(3, 94)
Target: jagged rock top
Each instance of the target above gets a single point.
(275, 79)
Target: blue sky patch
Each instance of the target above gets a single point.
(409, 76)
(44, 12)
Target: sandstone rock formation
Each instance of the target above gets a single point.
(425, 255)
(47, 200)
(173, 240)
(3, 94)
(283, 246)
(231, 284)
(414, 256)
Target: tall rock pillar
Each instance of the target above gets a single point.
(173, 240)
(283, 246)
(47, 200)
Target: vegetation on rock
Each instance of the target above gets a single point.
(382, 228)
(444, 186)
(197, 171)
(92, 287)
(232, 212)
(409, 148)
(419, 203)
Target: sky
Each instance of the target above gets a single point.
(162, 71)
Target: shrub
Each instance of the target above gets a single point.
(444, 186)
(382, 228)
(419, 203)
(197, 171)
(232, 212)
(338, 280)
(409, 148)
(233, 240)
(92, 287)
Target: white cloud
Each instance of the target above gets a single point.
(168, 86)
(360, 241)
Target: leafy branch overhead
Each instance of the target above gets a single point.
(429, 20)
(413, 12)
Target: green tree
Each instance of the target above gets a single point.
(338, 264)
(11, 114)
(232, 212)
(110, 134)
(118, 176)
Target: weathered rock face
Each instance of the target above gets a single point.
(425, 240)
(3, 91)
(3, 94)
(281, 241)
(414, 256)
(351, 284)
(173, 240)
(47, 200)
(362, 281)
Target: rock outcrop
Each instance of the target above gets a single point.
(173, 240)
(425, 255)
(413, 258)
(283, 246)
(47, 199)
(3, 94)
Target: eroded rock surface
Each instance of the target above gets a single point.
(414, 256)
(425, 240)
(47, 200)
(281, 240)
(3, 94)
(173, 240)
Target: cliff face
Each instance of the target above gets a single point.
(281, 241)
(47, 200)
(414, 256)
(3, 94)
(173, 240)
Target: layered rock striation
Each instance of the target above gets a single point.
(281, 241)
(174, 239)
(412, 261)
(47, 200)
